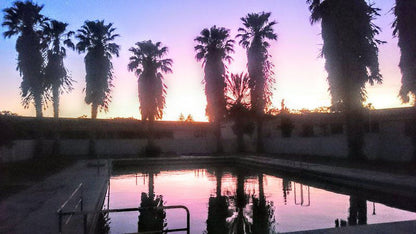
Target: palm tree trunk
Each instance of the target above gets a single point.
(355, 135)
(94, 110)
(38, 104)
(151, 186)
(218, 175)
(55, 93)
(260, 145)
(217, 126)
(240, 141)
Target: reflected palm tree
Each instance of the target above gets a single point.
(263, 211)
(286, 187)
(240, 221)
(217, 209)
(357, 211)
(150, 218)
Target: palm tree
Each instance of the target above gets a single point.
(404, 28)
(238, 106)
(95, 38)
(149, 64)
(214, 48)
(55, 72)
(351, 59)
(257, 31)
(24, 19)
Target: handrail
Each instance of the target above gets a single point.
(80, 203)
(70, 197)
(188, 216)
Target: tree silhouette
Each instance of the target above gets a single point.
(263, 211)
(238, 106)
(239, 221)
(55, 72)
(404, 28)
(214, 48)
(254, 37)
(151, 218)
(95, 38)
(217, 209)
(24, 19)
(181, 117)
(351, 59)
(149, 64)
(189, 119)
(357, 211)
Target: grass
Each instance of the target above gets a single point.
(16, 176)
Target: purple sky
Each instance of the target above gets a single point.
(300, 74)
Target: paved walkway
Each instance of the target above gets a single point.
(370, 178)
(383, 228)
(34, 209)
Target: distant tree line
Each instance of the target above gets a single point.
(350, 50)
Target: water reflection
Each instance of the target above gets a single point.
(240, 212)
(224, 200)
(151, 218)
(357, 211)
(217, 209)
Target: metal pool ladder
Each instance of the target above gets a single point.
(77, 198)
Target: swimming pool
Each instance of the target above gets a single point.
(241, 200)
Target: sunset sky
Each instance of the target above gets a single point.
(300, 73)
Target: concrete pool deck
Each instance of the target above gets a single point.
(34, 209)
(382, 228)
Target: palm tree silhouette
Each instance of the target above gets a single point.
(24, 19)
(351, 59)
(95, 38)
(152, 219)
(404, 28)
(254, 37)
(149, 64)
(357, 211)
(55, 72)
(217, 209)
(239, 222)
(238, 106)
(263, 211)
(214, 48)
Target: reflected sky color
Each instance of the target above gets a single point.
(300, 74)
(193, 188)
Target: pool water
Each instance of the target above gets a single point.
(236, 201)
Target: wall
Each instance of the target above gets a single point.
(390, 144)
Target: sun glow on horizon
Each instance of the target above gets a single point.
(299, 72)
